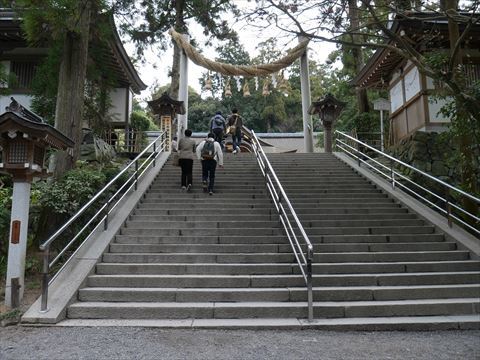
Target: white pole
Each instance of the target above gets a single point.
(381, 131)
(306, 100)
(17, 247)
(183, 91)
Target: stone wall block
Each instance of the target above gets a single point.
(439, 168)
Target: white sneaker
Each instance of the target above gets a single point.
(234, 151)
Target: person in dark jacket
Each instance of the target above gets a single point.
(218, 127)
(235, 123)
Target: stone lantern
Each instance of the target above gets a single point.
(166, 108)
(328, 108)
(24, 139)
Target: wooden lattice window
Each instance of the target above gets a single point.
(17, 152)
(24, 72)
(38, 155)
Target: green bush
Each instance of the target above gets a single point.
(140, 122)
(68, 194)
(52, 203)
(5, 206)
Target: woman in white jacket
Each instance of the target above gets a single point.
(210, 153)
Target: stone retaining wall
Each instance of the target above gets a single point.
(432, 153)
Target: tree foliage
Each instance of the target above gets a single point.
(147, 23)
(329, 21)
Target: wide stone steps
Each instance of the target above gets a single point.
(274, 309)
(282, 268)
(147, 216)
(239, 221)
(275, 257)
(281, 280)
(190, 255)
(281, 248)
(280, 239)
(353, 293)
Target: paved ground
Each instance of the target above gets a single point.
(149, 343)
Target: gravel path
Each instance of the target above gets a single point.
(149, 343)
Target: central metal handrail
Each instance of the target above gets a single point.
(279, 198)
(353, 149)
(138, 167)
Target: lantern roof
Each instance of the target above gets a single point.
(327, 100)
(18, 118)
(166, 100)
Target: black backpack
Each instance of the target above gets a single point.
(208, 150)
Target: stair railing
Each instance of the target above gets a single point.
(449, 207)
(286, 212)
(134, 171)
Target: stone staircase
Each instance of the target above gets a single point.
(373, 258)
(195, 256)
(191, 255)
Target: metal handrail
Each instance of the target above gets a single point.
(279, 198)
(140, 165)
(394, 176)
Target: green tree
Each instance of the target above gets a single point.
(330, 21)
(65, 22)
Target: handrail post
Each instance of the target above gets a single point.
(136, 174)
(392, 174)
(45, 270)
(448, 207)
(309, 284)
(154, 153)
(105, 223)
(357, 147)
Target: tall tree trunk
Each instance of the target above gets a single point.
(465, 141)
(353, 14)
(180, 27)
(71, 84)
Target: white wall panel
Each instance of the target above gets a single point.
(412, 83)
(117, 111)
(434, 107)
(396, 96)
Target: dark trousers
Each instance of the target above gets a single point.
(236, 139)
(218, 132)
(208, 172)
(186, 165)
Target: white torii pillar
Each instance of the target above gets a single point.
(183, 91)
(306, 100)
(17, 247)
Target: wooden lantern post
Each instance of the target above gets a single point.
(166, 108)
(24, 138)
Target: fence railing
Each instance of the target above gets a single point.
(102, 205)
(447, 201)
(286, 212)
(129, 141)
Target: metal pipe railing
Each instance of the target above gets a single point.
(140, 166)
(279, 197)
(395, 176)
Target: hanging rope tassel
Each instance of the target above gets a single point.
(246, 89)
